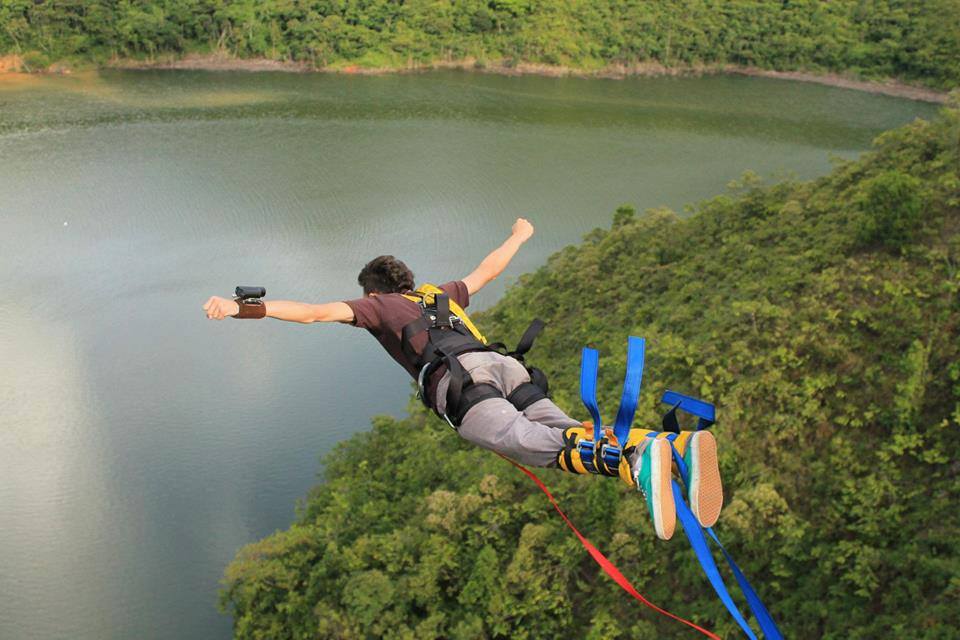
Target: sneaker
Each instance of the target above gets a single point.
(651, 474)
(704, 490)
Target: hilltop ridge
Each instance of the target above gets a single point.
(912, 42)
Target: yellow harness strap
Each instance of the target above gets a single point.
(427, 293)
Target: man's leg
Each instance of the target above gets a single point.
(496, 424)
(507, 374)
(546, 412)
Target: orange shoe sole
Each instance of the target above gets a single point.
(706, 489)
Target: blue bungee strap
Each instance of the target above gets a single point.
(699, 543)
(589, 367)
(702, 550)
(631, 389)
(705, 412)
(765, 620)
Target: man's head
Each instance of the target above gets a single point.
(385, 274)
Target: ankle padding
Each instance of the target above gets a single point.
(681, 441)
(578, 441)
(569, 457)
(634, 440)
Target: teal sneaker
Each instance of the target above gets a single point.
(651, 474)
(704, 489)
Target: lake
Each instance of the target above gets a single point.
(140, 444)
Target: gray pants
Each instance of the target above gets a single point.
(534, 436)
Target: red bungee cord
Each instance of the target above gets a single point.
(608, 567)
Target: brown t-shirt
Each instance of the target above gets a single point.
(385, 316)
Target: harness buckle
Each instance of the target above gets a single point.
(586, 450)
(449, 422)
(422, 379)
(611, 455)
(421, 394)
(454, 321)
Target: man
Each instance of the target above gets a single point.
(536, 434)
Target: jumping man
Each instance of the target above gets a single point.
(489, 397)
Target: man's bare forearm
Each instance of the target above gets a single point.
(290, 311)
(499, 258)
(307, 313)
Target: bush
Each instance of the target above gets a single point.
(623, 215)
(892, 205)
(35, 61)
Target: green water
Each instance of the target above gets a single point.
(140, 444)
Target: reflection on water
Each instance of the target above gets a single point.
(103, 93)
(141, 445)
(791, 112)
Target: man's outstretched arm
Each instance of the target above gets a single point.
(218, 308)
(494, 264)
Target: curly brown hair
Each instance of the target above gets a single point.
(385, 274)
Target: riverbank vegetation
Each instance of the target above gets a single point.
(822, 317)
(914, 41)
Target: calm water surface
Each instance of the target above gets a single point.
(140, 444)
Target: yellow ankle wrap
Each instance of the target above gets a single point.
(680, 443)
(569, 458)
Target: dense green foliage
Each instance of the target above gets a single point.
(833, 355)
(908, 39)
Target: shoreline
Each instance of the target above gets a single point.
(12, 64)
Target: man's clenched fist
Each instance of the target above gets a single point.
(522, 229)
(218, 308)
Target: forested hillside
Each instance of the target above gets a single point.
(911, 40)
(821, 317)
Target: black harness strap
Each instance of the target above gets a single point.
(670, 421)
(525, 395)
(458, 380)
(447, 339)
(443, 310)
(459, 401)
(526, 340)
(539, 378)
(472, 395)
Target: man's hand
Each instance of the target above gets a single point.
(522, 229)
(218, 308)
